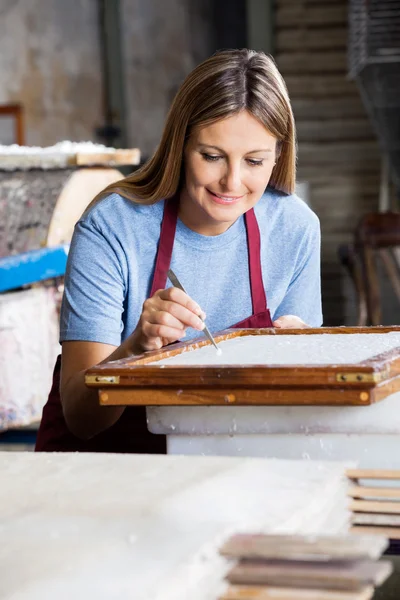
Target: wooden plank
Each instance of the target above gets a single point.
(355, 182)
(309, 62)
(360, 491)
(346, 185)
(344, 220)
(129, 156)
(328, 108)
(64, 159)
(337, 153)
(238, 397)
(325, 85)
(274, 593)
(392, 533)
(376, 519)
(311, 39)
(386, 474)
(299, 15)
(375, 506)
(336, 130)
(348, 202)
(242, 379)
(358, 187)
(352, 168)
(336, 230)
(235, 377)
(348, 576)
(296, 547)
(308, 172)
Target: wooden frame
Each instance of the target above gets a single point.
(16, 111)
(132, 381)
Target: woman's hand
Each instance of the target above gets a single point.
(290, 322)
(164, 319)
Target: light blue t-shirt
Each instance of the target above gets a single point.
(113, 252)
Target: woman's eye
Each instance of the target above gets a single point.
(255, 163)
(211, 157)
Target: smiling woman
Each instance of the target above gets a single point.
(216, 204)
(221, 183)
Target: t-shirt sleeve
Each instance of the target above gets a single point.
(94, 292)
(303, 296)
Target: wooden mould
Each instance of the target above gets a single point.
(375, 503)
(133, 381)
(290, 567)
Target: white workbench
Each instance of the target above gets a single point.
(113, 527)
(369, 435)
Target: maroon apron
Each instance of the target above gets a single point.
(130, 434)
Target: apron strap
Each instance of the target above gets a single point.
(165, 245)
(258, 297)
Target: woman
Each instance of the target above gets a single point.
(216, 203)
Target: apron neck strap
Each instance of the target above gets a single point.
(166, 244)
(258, 297)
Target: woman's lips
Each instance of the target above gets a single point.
(222, 199)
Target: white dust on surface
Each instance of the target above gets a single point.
(316, 349)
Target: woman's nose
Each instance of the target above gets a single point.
(232, 179)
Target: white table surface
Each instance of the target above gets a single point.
(147, 527)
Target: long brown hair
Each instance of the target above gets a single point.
(225, 84)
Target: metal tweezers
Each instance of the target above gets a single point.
(176, 283)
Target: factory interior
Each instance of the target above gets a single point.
(251, 461)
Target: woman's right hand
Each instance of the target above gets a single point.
(164, 319)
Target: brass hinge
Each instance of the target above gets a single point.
(107, 379)
(362, 377)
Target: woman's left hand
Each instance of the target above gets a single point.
(290, 322)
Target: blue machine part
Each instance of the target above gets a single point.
(32, 267)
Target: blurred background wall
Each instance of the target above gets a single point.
(338, 152)
(107, 72)
(50, 63)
